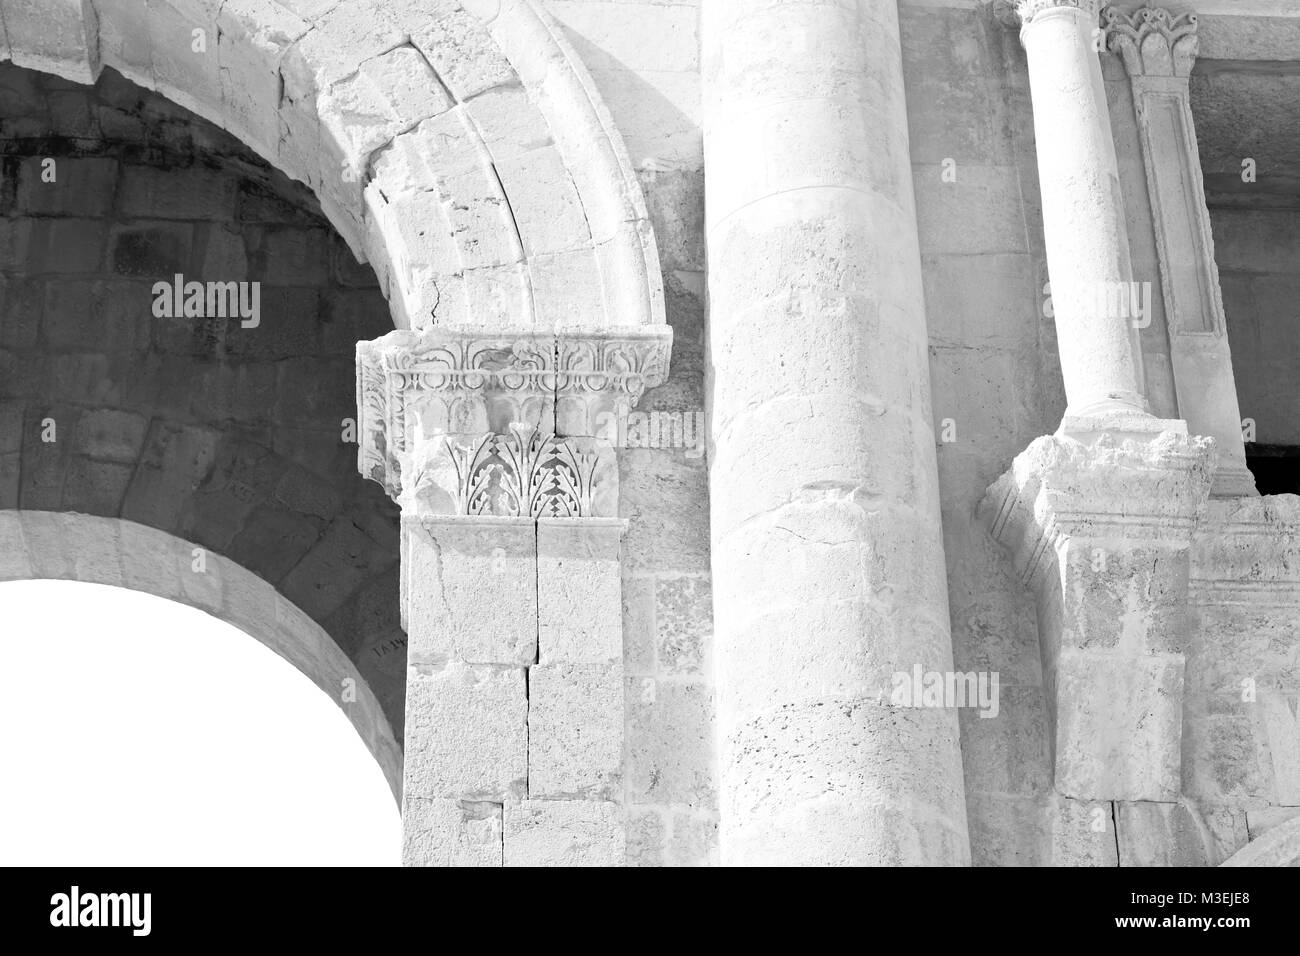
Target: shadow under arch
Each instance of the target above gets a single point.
(69, 546)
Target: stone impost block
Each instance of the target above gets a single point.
(564, 833)
(470, 589)
(466, 732)
(575, 731)
(1102, 530)
(579, 590)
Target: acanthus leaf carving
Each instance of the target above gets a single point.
(1152, 41)
(524, 473)
(422, 396)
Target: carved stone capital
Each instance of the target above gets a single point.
(1014, 13)
(523, 473)
(1152, 41)
(477, 422)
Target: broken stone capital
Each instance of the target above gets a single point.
(1102, 535)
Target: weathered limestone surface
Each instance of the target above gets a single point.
(1102, 534)
(826, 551)
(1083, 210)
(562, 654)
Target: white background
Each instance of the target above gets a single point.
(138, 731)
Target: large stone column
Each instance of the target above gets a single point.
(1083, 211)
(494, 446)
(828, 563)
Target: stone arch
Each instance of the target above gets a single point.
(236, 439)
(460, 147)
(1277, 846)
(76, 547)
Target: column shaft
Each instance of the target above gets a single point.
(1083, 212)
(828, 563)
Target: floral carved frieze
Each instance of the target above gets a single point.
(1152, 41)
(481, 423)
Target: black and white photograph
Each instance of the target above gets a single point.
(649, 433)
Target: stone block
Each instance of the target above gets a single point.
(95, 487)
(110, 435)
(273, 541)
(194, 193)
(464, 54)
(694, 840)
(471, 590)
(352, 549)
(579, 590)
(190, 76)
(684, 623)
(54, 36)
(1008, 752)
(544, 201)
(67, 246)
(1082, 832)
(575, 730)
(670, 752)
(1178, 834)
(156, 252)
(639, 635)
(450, 833)
(412, 91)
(21, 303)
(564, 833)
(1118, 726)
(466, 732)
(79, 187)
(292, 256)
(646, 833)
(177, 459)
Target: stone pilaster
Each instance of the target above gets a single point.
(1083, 212)
(1102, 533)
(1159, 50)
(828, 565)
(499, 448)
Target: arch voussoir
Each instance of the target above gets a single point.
(542, 220)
